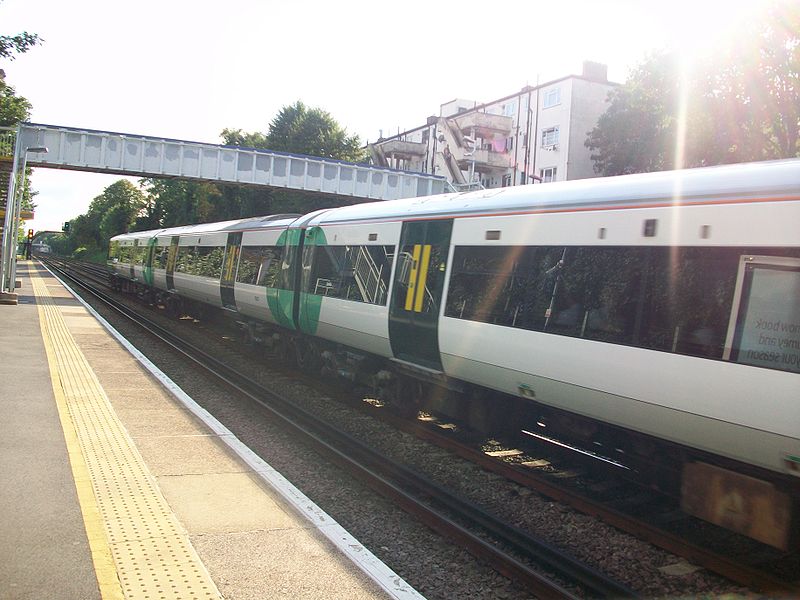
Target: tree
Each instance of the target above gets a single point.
(109, 214)
(741, 105)
(635, 133)
(237, 137)
(296, 129)
(312, 131)
(13, 108)
(21, 43)
(756, 84)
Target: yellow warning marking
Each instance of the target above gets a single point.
(423, 277)
(412, 278)
(138, 547)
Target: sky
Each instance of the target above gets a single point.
(187, 69)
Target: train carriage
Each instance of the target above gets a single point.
(665, 306)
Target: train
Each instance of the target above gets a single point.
(654, 317)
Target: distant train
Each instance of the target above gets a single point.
(655, 316)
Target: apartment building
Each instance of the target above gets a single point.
(535, 135)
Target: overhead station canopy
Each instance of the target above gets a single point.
(144, 156)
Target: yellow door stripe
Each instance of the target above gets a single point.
(412, 278)
(423, 277)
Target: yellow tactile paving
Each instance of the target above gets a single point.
(126, 517)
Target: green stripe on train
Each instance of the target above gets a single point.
(311, 304)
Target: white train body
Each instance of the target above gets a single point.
(439, 284)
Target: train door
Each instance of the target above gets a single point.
(134, 252)
(417, 294)
(148, 261)
(172, 258)
(229, 266)
(283, 299)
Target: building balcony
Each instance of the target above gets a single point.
(483, 125)
(403, 149)
(486, 160)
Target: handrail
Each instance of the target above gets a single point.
(366, 272)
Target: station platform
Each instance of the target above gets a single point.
(114, 484)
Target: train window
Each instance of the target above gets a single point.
(359, 273)
(670, 299)
(259, 265)
(139, 254)
(503, 285)
(184, 262)
(208, 261)
(127, 253)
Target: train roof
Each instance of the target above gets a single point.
(250, 223)
(765, 180)
(755, 181)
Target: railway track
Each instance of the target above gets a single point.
(509, 550)
(509, 462)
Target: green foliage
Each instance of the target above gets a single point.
(741, 105)
(13, 108)
(111, 213)
(314, 132)
(635, 134)
(296, 129)
(237, 137)
(21, 43)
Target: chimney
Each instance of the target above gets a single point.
(595, 71)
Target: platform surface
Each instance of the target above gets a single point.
(112, 487)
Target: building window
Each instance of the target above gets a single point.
(506, 180)
(509, 109)
(551, 98)
(548, 174)
(550, 137)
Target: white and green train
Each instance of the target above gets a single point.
(655, 316)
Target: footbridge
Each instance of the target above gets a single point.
(58, 147)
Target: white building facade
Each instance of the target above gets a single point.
(534, 135)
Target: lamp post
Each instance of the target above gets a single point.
(13, 206)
